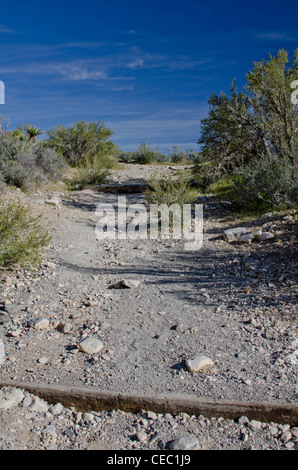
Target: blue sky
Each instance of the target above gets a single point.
(145, 68)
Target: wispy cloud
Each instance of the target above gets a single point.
(167, 62)
(6, 30)
(137, 63)
(69, 71)
(78, 72)
(276, 36)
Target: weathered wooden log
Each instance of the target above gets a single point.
(84, 399)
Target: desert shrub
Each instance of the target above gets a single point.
(15, 144)
(91, 172)
(144, 154)
(21, 236)
(50, 162)
(126, 157)
(81, 141)
(161, 158)
(178, 155)
(15, 174)
(2, 181)
(26, 163)
(266, 183)
(167, 190)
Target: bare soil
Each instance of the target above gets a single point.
(235, 303)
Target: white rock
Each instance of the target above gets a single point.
(64, 327)
(56, 409)
(199, 364)
(88, 417)
(141, 436)
(247, 238)
(27, 401)
(16, 333)
(40, 323)
(184, 443)
(43, 360)
(49, 435)
(90, 345)
(286, 436)
(51, 265)
(257, 232)
(151, 415)
(265, 236)
(39, 405)
(128, 283)
(11, 399)
(255, 424)
(53, 201)
(233, 234)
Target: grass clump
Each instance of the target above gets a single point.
(21, 236)
(91, 172)
(167, 190)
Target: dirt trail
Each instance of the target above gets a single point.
(234, 303)
(210, 302)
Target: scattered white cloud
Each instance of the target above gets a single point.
(137, 63)
(74, 72)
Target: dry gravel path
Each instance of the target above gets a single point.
(236, 304)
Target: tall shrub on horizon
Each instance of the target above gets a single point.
(81, 141)
(258, 123)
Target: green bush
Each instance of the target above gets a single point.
(21, 236)
(178, 155)
(167, 190)
(126, 157)
(81, 141)
(143, 155)
(91, 172)
(251, 135)
(266, 183)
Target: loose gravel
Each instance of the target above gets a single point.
(234, 303)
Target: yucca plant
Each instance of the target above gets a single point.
(33, 132)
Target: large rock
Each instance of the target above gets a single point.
(199, 364)
(232, 234)
(247, 238)
(127, 283)
(184, 443)
(40, 323)
(90, 345)
(265, 236)
(39, 405)
(10, 398)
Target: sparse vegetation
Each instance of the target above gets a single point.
(90, 172)
(143, 155)
(169, 190)
(25, 162)
(21, 235)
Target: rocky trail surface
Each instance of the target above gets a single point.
(136, 316)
